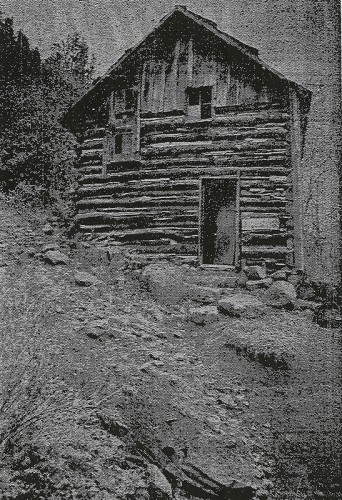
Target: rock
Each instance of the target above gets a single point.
(3, 263)
(280, 275)
(241, 282)
(31, 252)
(280, 295)
(202, 315)
(50, 246)
(255, 284)
(305, 291)
(146, 367)
(302, 304)
(255, 272)
(227, 401)
(55, 257)
(158, 363)
(85, 279)
(241, 305)
(165, 282)
(156, 354)
(204, 294)
(47, 229)
(294, 279)
(159, 486)
(111, 423)
(328, 317)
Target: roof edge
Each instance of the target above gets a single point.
(207, 24)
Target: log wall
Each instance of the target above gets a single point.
(150, 196)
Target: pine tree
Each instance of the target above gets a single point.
(34, 147)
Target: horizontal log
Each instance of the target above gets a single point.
(118, 187)
(262, 239)
(251, 118)
(94, 228)
(122, 166)
(136, 219)
(163, 114)
(109, 200)
(177, 234)
(264, 250)
(94, 132)
(216, 135)
(147, 174)
(94, 143)
(256, 106)
(161, 122)
(142, 201)
(92, 153)
(167, 250)
(179, 148)
(92, 169)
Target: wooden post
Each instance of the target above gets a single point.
(174, 75)
(296, 178)
(200, 222)
(138, 121)
(162, 86)
(190, 63)
(228, 84)
(143, 86)
(237, 220)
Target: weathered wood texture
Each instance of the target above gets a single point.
(148, 194)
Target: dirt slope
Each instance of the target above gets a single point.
(148, 385)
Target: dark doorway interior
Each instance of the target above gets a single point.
(219, 212)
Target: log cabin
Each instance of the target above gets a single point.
(190, 148)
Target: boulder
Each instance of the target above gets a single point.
(255, 284)
(50, 246)
(302, 304)
(306, 291)
(55, 257)
(202, 315)
(85, 279)
(112, 423)
(242, 280)
(241, 305)
(280, 275)
(227, 401)
(165, 282)
(47, 229)
(159, 486)
(280, 295)
(255, 272)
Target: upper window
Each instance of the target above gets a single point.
(199, 102)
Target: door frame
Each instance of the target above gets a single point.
(235, 178)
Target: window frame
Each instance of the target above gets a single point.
(202, 102)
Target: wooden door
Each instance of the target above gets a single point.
(219, 222)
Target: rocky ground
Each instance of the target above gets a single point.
(127, 381)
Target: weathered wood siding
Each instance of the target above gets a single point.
(149, 196)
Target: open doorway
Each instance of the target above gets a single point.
(219, 229)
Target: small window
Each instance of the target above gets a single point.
(199, 102)
(118, 144)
